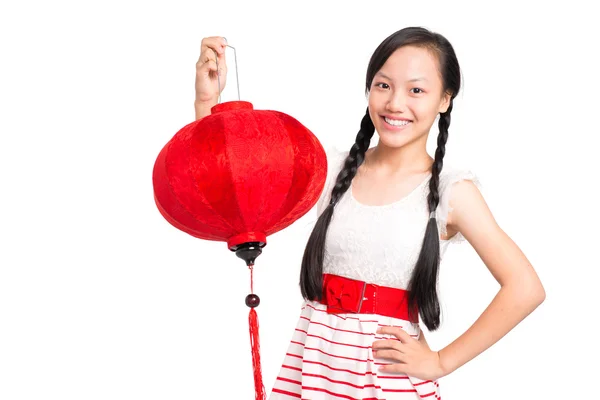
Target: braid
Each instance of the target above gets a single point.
(444, 123)
(423, 284)
(355, 158)
(311, 272)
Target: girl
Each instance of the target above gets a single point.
(385, 219)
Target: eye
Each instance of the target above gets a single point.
(382, 85)
(419, 90)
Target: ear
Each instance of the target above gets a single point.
(445, 103)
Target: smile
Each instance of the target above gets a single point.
(396, 122)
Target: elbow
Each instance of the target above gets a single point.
(535, 289)
(530, 293)
(535, 294)
(541, 294)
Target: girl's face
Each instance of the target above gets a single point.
(406, 96)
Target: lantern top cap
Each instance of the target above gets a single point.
(232, 106)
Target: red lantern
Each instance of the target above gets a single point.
(238, 176)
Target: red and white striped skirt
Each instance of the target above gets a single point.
(330, 357)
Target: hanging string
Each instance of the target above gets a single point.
(259, 388)
(237, 80)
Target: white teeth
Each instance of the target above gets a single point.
(396, 122)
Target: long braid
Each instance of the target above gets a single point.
(311, 272)
(354, 160)
(423, 284)
(443, 124)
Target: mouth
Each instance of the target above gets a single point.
(395, 123)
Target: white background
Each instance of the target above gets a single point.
(100, 298)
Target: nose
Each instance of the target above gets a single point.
(396, 102)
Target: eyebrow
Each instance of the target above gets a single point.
(410, 80)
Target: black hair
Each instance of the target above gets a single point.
(423, 283)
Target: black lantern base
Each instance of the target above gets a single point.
(248, 251)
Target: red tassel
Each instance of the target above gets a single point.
(255, 344)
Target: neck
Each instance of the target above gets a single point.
(409, 159)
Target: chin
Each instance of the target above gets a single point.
(393, 142)
(395, 139)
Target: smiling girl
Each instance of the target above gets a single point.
(385, 218)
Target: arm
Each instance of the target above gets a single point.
(202, 109)
(520, 292)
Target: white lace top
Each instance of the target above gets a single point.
(381, 244)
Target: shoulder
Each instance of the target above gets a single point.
(457, 186)
(454, 181)
(452, 174)
(467, 210)
(335, 158)
(335, 162)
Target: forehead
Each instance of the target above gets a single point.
(411, 62)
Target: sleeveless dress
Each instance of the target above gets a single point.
(330, 355)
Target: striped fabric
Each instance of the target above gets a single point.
(330, 357)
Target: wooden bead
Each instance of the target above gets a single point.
(252, 300)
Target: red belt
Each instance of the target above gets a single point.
(345, 295)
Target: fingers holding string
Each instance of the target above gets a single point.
(213, 48)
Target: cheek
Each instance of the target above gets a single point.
(374, 101)
(425, 111)
(378, 98)
(375, 107)
(373, 115)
